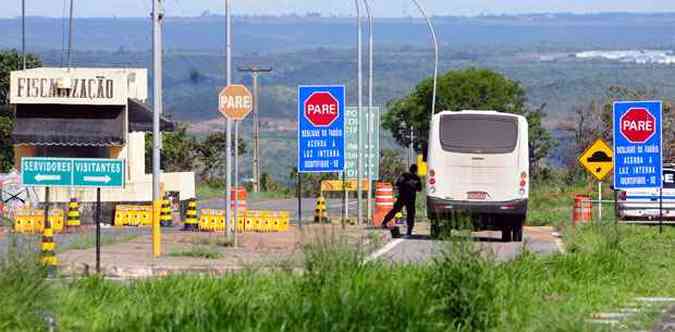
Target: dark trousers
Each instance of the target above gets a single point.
(409, 210)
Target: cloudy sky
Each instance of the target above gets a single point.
(389, 8)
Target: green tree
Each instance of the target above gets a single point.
(391, 165)
(178, 151)
(211, 154)
(10, 60)
(468, 89)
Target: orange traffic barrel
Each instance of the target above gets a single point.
(583, 209)
(241, 195)
(384, 201)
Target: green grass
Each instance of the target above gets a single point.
(605, 268)
(200, 251)
(88, 240)
(214, 241)
(205, 191)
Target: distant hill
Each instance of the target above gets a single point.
(282, 34)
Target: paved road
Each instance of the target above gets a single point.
(421, 248)
(291, 205)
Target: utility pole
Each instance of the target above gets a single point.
(359, 160)
(70, 33)
(157, 110)
(228, 129)
(23, 33)
(257, 167)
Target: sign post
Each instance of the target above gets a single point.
(235, 102)
(598, 160)
(74, 172)
(638, 145)
(321, 131)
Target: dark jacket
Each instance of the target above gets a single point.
(408, 185)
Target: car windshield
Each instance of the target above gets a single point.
(477, 133)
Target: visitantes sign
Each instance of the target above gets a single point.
(637, 144)
(321, 126)
(59, 87)
(72, 172)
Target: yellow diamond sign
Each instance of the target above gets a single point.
(598, 159)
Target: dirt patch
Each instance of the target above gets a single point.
(254, 251)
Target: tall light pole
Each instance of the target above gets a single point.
(23, 33)
(228, 127)
(257, 167)
(157, 110)
(435, 41)
(359, 160)
(70, 33)
(369, 158)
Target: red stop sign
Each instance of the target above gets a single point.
(321, 109)
(637, 125)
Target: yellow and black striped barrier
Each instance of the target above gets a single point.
(73, 216)
(48, 247)
(165, 218)
(213, 220)
(191, 221)
(321, 212)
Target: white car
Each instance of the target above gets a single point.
(643, 204)
(478, 164)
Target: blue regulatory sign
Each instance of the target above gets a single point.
(321, 129)
(638, 157)
(72, 172)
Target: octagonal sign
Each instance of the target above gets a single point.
(638, 125)
(321, 109)
(235, 102)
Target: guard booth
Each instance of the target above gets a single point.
(90, 113)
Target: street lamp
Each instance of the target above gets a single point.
(370, 109)
(257, 168)
(435, 41)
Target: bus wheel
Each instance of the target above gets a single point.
(518, 228)
(506, 229)
(435, 228)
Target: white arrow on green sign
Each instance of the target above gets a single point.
(72, 172)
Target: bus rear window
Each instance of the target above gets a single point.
(473, 133)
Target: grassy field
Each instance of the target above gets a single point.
(604, 269)
(205, 191)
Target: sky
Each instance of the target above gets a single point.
(381, 8)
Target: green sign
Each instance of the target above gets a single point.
(371, 166)
(72, 172)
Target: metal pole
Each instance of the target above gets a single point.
(359, 160)
(435, 41)
(411, 146)
(157, 110)
(599, 201)
(369, 158)
(228, 129)
(256, 135)
(70, 33)
(23, 33)
(236, 182)
(299, 201)
(98, 230)
(661, 210)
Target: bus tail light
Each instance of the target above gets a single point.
(432, 181)
(523, 183)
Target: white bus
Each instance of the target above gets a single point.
(478, 168)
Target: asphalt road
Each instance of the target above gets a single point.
(420, 248)
(334, 206)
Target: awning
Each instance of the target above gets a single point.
(140, 118)
(69, 125)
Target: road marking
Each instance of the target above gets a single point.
(388, 247)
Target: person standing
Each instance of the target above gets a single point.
(408, 184)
